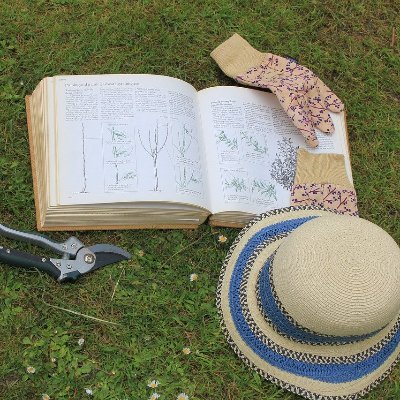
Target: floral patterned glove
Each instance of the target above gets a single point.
(304, 97)
(321, 180)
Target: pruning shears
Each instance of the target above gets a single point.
(76, 259)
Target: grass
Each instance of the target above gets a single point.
(157, 310)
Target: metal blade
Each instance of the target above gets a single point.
(107, 254)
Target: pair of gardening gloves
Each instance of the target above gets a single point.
(304, 97)
(320, 179)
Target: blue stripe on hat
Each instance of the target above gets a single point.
(274, 313)
(331, 373)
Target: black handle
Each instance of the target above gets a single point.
(27, 260)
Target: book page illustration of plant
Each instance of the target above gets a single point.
(232, 144)
(117, 134)
(236, 183)
(283, 168)
(153, 143)
(121, 151)
(253, 143)
(268, 190)
(185, 176)
(125, 176)
(183, 141)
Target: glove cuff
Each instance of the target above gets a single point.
(236, 56)
(321, 168)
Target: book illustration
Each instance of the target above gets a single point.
(153, 143)
(188, 178)
(283, 168)
(121, 177)
(230, 143)
(118, 143)
(263, 188)
(124, 176)
(182, 141)
(253, 147)
(117, 133)
(235, 185)
(257, 145)
(118, 151)
(119, 158)
(227, 146)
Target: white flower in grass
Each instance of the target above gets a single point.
(153, 384)
(81, 341)
(154, 396)
(182, 396)
(30, 370)
(53, 359)
(222, 239)
(89, 392)
(193, 277)
(45, 396)
(186, 351)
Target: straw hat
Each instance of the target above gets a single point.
(311, 301)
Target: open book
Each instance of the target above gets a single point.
(149, 151)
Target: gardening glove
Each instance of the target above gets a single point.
(321, 180)
(304, 97)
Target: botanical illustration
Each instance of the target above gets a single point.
(186, 177)
(123, 176)
(261, 187)
(183, 141)
(236, 183)
(283, 168)
(231, 144)
(119, 151)
(117, 134)
(254, 143)
(153, 143)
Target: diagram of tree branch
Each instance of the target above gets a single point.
(183, 141)
(120, 169)
(186, 177)
(153, 143)
(119, 151)
(283, 168)
(117, 134)
(123, 176)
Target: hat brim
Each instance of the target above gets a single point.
(315, 371)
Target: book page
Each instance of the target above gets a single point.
(127, 138)
(251, 146)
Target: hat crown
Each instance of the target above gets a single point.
(338, 276)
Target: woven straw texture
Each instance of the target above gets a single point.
(315, 370)
(339, 277)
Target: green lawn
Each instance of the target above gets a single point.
(155, 308)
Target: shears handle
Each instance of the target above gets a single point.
(26, 260)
